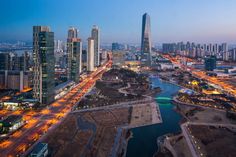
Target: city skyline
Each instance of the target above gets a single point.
(199, 21)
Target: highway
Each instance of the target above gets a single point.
(38, 123)
(202, 75)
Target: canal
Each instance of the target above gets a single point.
(144, 140)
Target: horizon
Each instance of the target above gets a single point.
(175, 21)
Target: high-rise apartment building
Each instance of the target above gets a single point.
(74, 51)
(234, 55)
(90, 55)
(146, 40)
(44, 64)
(95, 34)
(225, 51)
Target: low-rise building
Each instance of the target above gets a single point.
(11, 123)
(19, 104)
(63, 88)
(40, 150)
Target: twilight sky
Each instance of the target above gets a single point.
(120, 20)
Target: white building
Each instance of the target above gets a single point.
(90, 56)
(95, 34)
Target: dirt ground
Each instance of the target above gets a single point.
(216, 142)
(98, 133)
(205, 115)
(179, 144)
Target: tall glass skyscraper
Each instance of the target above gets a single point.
(44, 64)
(74, 51)
(95, 34)
(146, 40)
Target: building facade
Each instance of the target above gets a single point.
(146, 40)
(90, 55)
(13, 79)
(44, 64)
(95, 34)
(74, 51)
(210, 63)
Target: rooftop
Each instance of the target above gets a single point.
(38, 148)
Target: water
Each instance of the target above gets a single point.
(144, 141)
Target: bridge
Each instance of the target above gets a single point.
(163, 99)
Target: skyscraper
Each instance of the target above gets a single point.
(90, 55)
(225, 51)
(4, 60)
(210, 63)
(146, 40)
(115, 46)
(234, 55)
(44, 64)
(95, 34)
(74, 51)
(72, 33)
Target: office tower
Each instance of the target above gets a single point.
(74, 51)
(4, 61)
(205, 47)
(210, 48)
(24, 61)
(44, 64)
(224, 51)
(58, 45)
(58, 51)
(188, 45)
(210, 63)
(11, 61)
(234, 55)
(226, 55)
(193, 52)
(179, 45)
(72, 33)
(146, 40)
(84, 59)
(115, 46)
(95, 34)
(167, 48)
(90, 55)
(202, 53)
(215, 49)
(224, 47)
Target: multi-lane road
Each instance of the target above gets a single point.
(38, 123)
(202, 75)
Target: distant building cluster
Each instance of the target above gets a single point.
(14, 61)
(14, 71)
(121, 47)
(193, 50)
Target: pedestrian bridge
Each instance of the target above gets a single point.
(163, 99)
